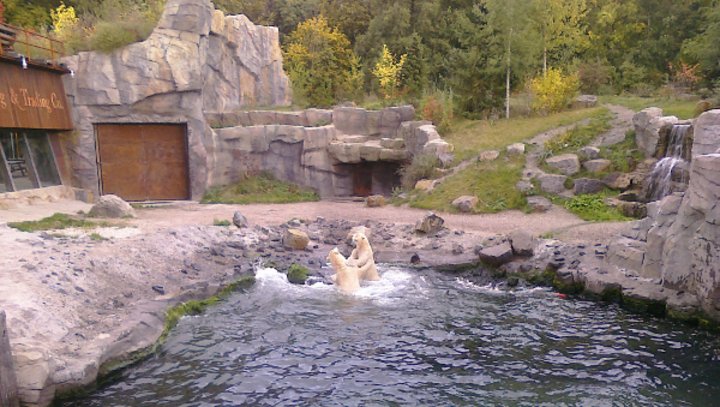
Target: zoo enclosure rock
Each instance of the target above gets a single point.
(112, 206)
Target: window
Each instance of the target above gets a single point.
(26, 161)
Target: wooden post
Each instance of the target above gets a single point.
(8, 381)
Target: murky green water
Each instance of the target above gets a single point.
(420, 339)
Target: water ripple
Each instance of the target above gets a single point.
(419, 339)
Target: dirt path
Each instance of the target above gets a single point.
(620, 125)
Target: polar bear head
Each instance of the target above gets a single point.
(336, 259)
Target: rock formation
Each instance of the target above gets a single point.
(209, 72)
(679, 242)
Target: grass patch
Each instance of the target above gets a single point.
(493, 183)
(221, 222)
(197, 307)
(592, 208)
(623, 156)
(263, 188)
(54, 222)
(578, 137)
(471, 136)
(682, 108)
(96, 237)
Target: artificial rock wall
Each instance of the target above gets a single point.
(679, 242)
(195, 60)
(208, 71)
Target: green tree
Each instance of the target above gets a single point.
(561, 24)
(320, 63)
(511, 22)
(703, 49)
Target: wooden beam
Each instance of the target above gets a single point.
(5, 171)
(8, 381)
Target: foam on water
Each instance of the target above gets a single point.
(493, 289)
(394, 284)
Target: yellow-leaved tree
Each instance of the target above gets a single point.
(64, 21)
(553, 91)
(321, 65)
(387, 72)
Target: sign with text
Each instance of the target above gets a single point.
(32, 99)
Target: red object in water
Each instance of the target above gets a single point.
(561, 296)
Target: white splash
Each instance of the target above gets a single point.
(394, 283)
(493, 289)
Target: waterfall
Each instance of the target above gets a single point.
(665, 172)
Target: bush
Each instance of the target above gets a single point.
(592, 207)
(438, 107)
(297, 274)
(594, 77)
(553, 91)
(422, 166)
(109, 36)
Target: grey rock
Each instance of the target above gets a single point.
(497, 255)
(522, 243)
(585, 101)
(587, 186)
(526, 187)
(597, 166)
(552, 183)
(589, 153)
(465, 203)
(567, 164)
(706, 133)
(516, 149)
(539, 204)
(8, 381)
(240, 220)
(429, 224)
(112, 206)
(648, 123)
(489, 155)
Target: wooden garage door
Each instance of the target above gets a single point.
(140, 162)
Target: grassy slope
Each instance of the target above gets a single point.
(684, 109)
(473, 136)
(493, 182)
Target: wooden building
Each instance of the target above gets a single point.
(33, 111)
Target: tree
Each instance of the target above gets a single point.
(703, 49)
(510, 20)
(561, 24)
(387, 72)
(320, 63)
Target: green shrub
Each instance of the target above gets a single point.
(262, 188)
(594, 76)
(592, 207)
(56, 221)
(221, 222)
(422, 166)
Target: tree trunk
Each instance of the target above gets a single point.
(544, 61)
(507, 77)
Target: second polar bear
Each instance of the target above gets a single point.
(363, 258)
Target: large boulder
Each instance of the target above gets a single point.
(240, 220)
(597, 166)
(552, 183)
(516, 149)
(585, 101)
(587, 186)
(496, 256)
(429, 224)
(648, 123)
(112, 206)
(523, 243)
(465, 203)
(375, 201)
(295, 239)
(567, 164)
(706, 133)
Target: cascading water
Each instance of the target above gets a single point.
(672, 167)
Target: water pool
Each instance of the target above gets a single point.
(419, 338)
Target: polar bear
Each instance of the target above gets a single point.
(347, 278)
(363, 258)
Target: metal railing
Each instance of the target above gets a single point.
(16, 40)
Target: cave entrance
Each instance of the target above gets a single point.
(375, 178)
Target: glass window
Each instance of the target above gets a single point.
(28, 160)
(44, 159)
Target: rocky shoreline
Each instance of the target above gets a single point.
(99, 305)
